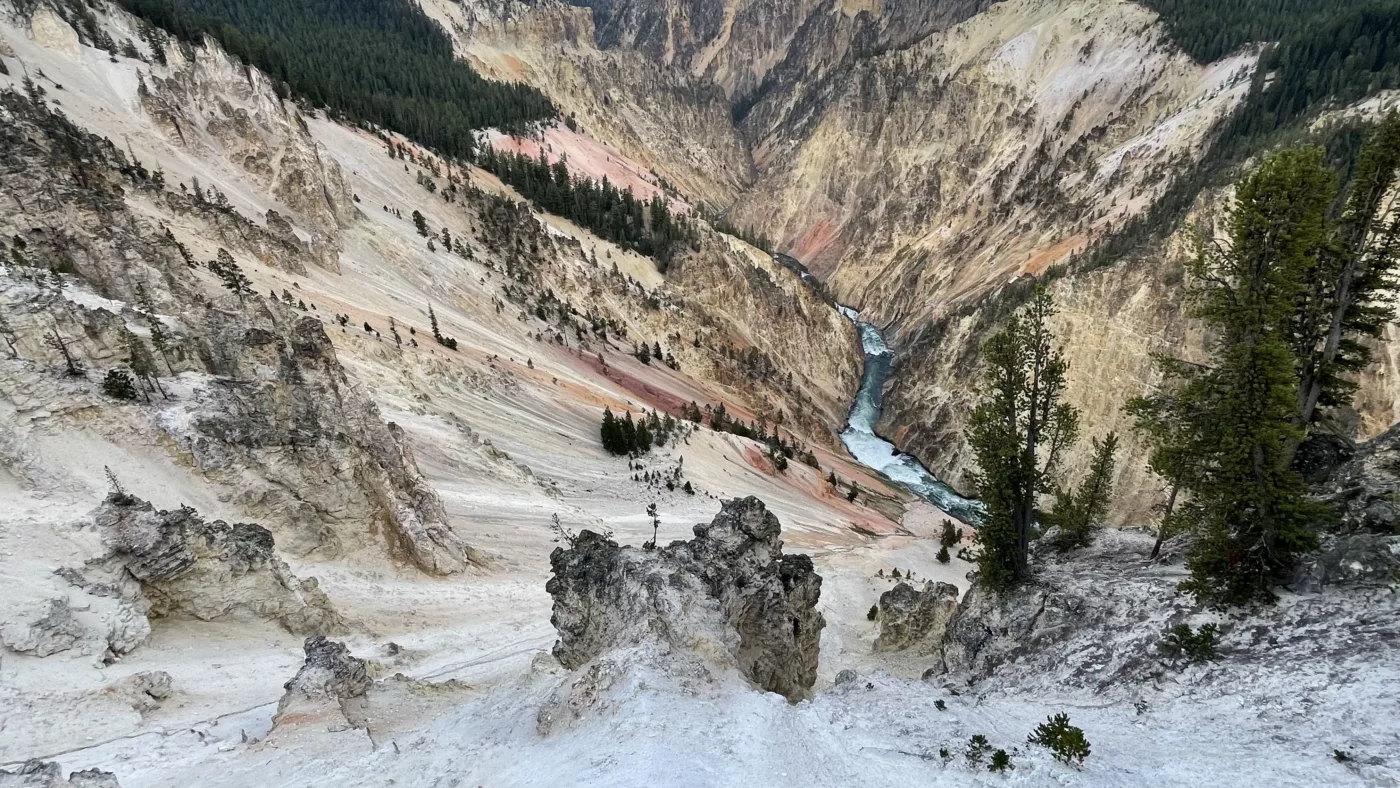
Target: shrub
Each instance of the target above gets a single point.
(118, 384)
(949, 535)
(942, 556)
(1066, 742)
(1196, 646)
(1000, 762)
(977, 748)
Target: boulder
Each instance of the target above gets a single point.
(728, 595)
(143, 691)
(330, 682)
(914, 619)
(42, 630)
(335, 688)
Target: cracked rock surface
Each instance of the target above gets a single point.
(729, 594)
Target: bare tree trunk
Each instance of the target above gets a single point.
(1166, 517)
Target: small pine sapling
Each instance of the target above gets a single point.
(1066, 742)
(977, 749)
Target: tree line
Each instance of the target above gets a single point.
(1303, 279)
(644, 226)
(380, 61)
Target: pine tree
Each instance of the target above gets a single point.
(160, 340)
(432, 321)
(117, 384)
(1081, 512)
(1169, 420)
(1351, 283)
(611, 434)
(1249, 507)
(420, 223)
(226, 268)
(949, 535)
(138, 358)
(1018, 434)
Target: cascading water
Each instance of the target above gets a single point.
(876, 452)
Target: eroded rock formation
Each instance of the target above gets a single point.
(309, 448)
(337, 689)
(916, 619)
(211, 102)
(330, 678)
(728, 594)
(189, 566)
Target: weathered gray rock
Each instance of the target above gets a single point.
(335, 689)
(42, 629)
(188, 566)
(916, 619)
(329, 679)
(334, 470)
(1363, 487)
(41, 774)
(1351, 559)
(1091, 620)
(729, 593)
(144, 691)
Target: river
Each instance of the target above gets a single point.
(881, 455)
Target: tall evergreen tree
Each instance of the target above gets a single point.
(1018, 433)
(1250, 507)
(1350, 288)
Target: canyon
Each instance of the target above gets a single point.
(356, 525)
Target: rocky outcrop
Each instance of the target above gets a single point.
(208, 570)
(729, 594)
(208, 100)
(329, 679)
(1350, 560)
(1362, 484)
(1096, 621)
(307, 448)
(144, 691)
(47, 774)
(336, 689)
(916, 619)
(42, 630)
